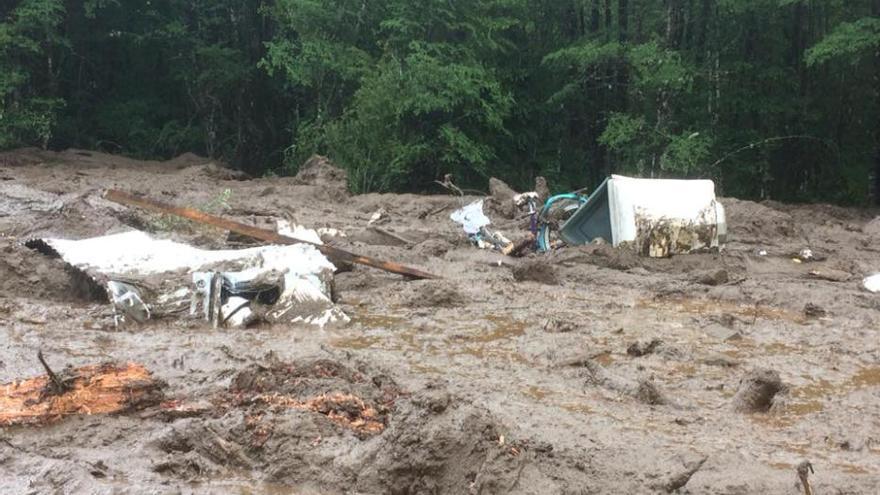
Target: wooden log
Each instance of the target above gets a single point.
(96, 389)
(335, 254)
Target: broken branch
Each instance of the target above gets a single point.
(58, 386)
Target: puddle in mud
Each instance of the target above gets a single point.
(480, 343)
(709, 306)
(373, 322)
(867, 377)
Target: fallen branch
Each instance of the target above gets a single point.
(58, 386)
(392, 235)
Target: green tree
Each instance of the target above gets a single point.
(29, 46)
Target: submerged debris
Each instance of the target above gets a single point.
(340, 393)
(756, 392)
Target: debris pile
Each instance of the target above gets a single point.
(659, 218)
(148, 278)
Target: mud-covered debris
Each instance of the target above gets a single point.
(676, 481)
(722, 333)
(804, 470)
(648, 393)
(535, 271)
(558, 325)
(872, 228)
(602, 255)
(721, 361)
(434, 294)
(97, 389)
(433, 247)
(346, 410)
(756, 391)
(643, 389)
(320, 171)
(661, 217)
(502, 198)
(643, 348)
(542, 189)
(344, 395)
(830, 275)
(814, 311)
(713, 277)
(218, 172)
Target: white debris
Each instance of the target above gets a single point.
(872, 283)
(282, 284)
(471, 217)
(523, 198)
(285, 228)
(331, 232)
(378, 217)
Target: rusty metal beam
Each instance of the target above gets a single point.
(198, 216)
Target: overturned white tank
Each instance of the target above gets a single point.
(148, 278)
(660, 217)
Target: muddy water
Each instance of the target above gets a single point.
(489, 385)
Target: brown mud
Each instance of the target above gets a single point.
(498, 378)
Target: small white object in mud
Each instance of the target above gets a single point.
(471, 217)
(148, 278)
(872, 283)
(378, 217)
(761, 252)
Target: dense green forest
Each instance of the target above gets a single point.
(772, 98)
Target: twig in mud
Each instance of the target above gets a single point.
(803, 470)
(448, 185)
(434, 212)
(392, 235)
(58, 386)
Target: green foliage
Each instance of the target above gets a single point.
(686, 153)
(849, 40)
(772, 98)
(28, 36)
